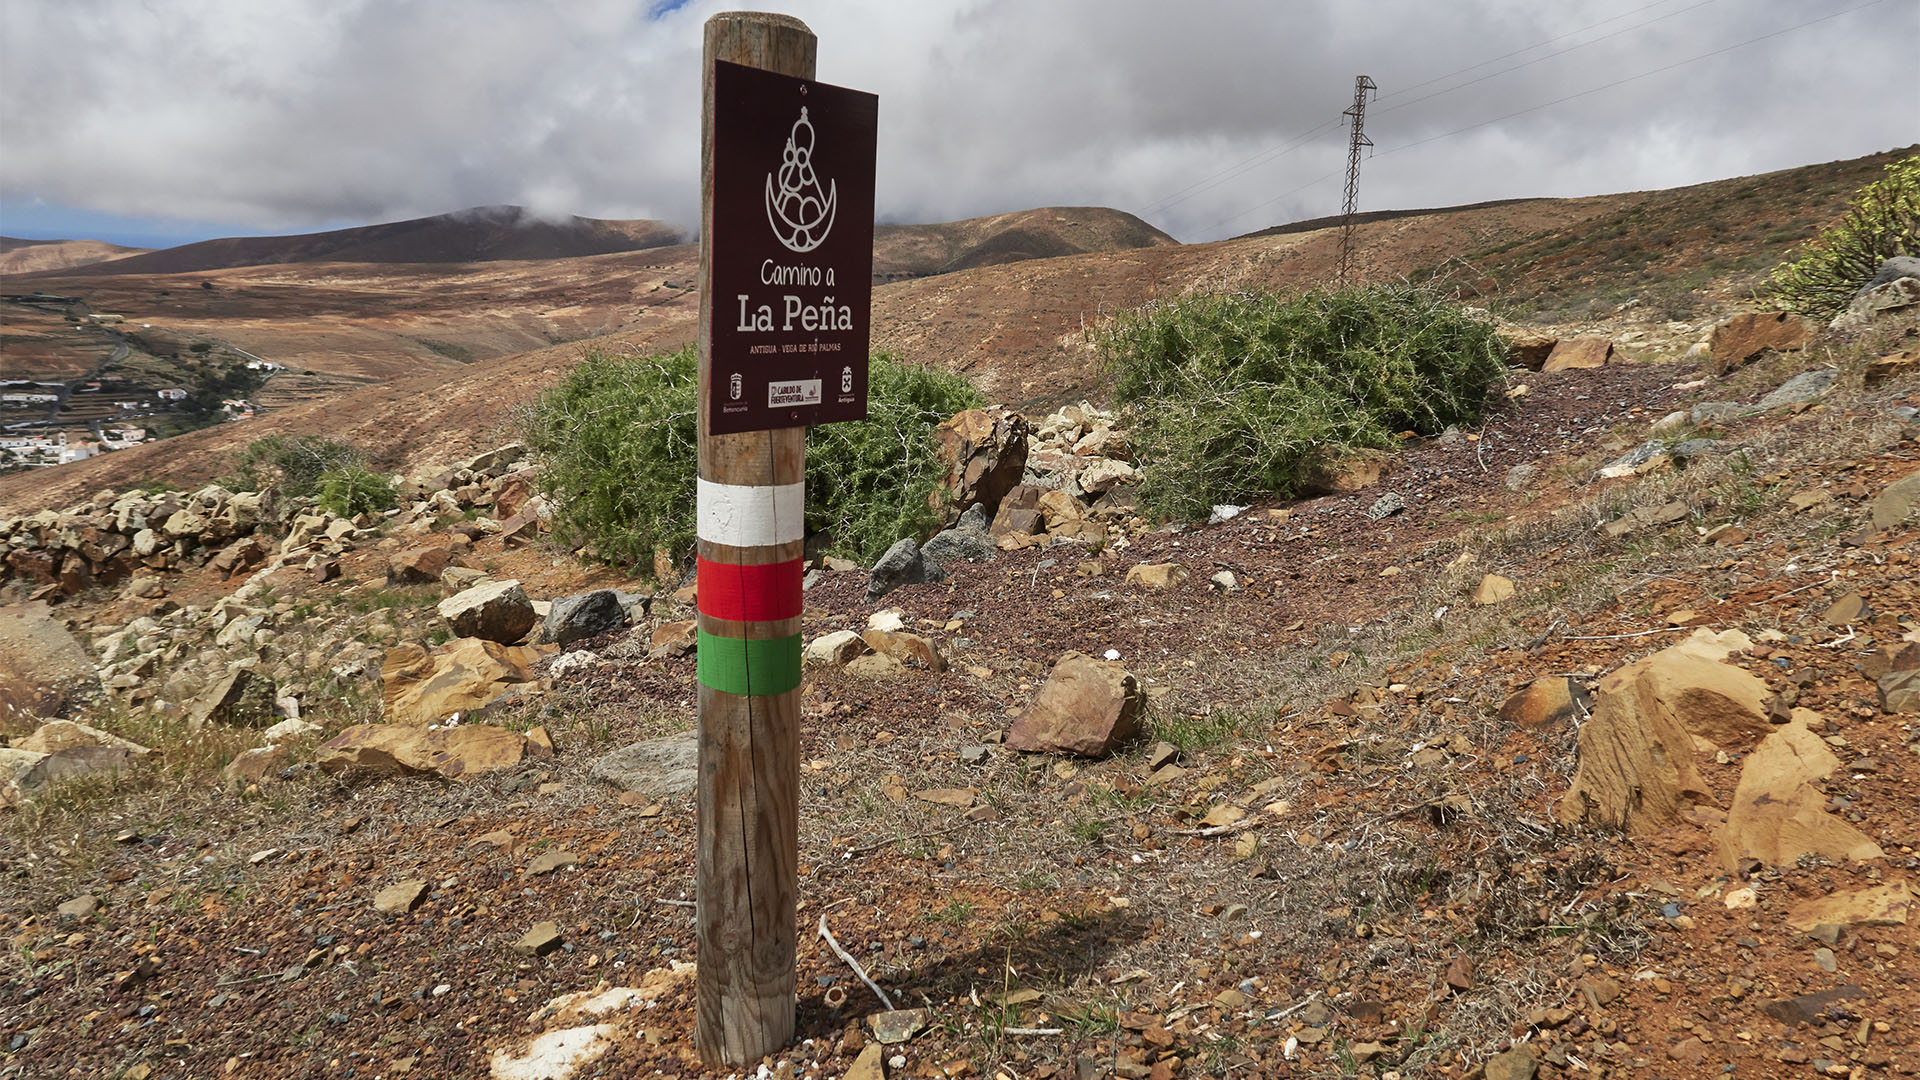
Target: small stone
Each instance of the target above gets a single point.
(80, 907)
(550, 861)
(1519, 1063)
(542, 939)
(1826, 960)
(898, 1025)
(1493, 589)
(1386, 506)
(399, 899)
(1162, 754)
(1158, 575)
(868, 1065)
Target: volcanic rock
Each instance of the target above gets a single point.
(1576, 354)
(985, 454)
(901, 565)
(1778, 813)
(1086, 707)
(668, 765)
(455, 753)
(1551, 699)
(1158, 575)
(835, 648)
(589, 614)
(1747, 335)
(420, 687)
(416, 565)
(494, 611)
(239, 699)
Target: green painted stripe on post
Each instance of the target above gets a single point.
(750, 668)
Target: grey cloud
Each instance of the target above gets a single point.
(302, 113)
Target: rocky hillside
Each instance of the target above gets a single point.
(1579, 744)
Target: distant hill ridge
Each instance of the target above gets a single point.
(480, 234)
(19, 256)
(497, 233)
(909, 251)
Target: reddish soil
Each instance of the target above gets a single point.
(1412, 897)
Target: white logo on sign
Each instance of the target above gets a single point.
(733, 386)
(846, 380)
(799, 211)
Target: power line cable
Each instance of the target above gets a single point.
(1536, 45)
(1271, 201)
(1207, 183)
(1632, 78)
(1549, 56)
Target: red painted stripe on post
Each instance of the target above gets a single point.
(749, 593)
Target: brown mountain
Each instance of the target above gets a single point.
(481, 234)
(1662, 263)
(909, 251)
(19, 256)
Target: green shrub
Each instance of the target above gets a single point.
(1883, 221)
(617, 445)
(1245, 395)
(291, 464)
(348, 490)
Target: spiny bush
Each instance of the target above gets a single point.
(617, 444)
(1244, 395)
(291, 464)
(1883, 221)
(348, 490)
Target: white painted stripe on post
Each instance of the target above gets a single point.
(742, 516)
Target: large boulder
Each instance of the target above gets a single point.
(901, 565)
(239, 699)
(24, 773)
(1578, 354)
(1894, 287)
(1745, 336)
(985, 452)
(967, 541)
(43, 669)
(57, 735)
(237, 556)
(1086, 707)
(493, 610)
(456, 753)
(1019, 513)
(417, 565)
(1637, 766)
(835, 649)
(1527, 349)
(421, 687)
(1779, 812)
(589, 614)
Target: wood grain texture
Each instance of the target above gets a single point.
(747, 880)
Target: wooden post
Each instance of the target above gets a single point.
(752, 488)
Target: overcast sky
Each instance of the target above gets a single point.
(164, 121)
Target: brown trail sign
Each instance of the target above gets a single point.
(786, 265)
